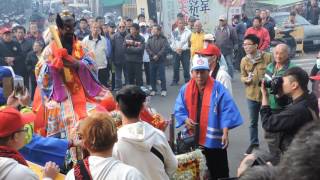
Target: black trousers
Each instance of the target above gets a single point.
(103, 76)
(135, 73)
(217, 162)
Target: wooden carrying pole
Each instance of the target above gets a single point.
(56, 38)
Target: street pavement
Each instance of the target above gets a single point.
(239, 137)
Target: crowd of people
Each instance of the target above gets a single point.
(72, 69)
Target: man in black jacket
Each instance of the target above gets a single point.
(156, 48)
(11, 54)
(118, 57)
(303, 109)
(134, 48)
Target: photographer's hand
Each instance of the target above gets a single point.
(24, 100)
(12, 101)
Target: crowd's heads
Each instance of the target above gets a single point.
(33, 28)
(197, 26)
(122, 27)
(83, 23)
(293, 79)
(281, 53)
(257, 12)
(98, 132)
(134, 29)
(111, 27)
(211, 50)
(180, 16)
(223, 20)
(212, 53)
(37, 46)
(12, 132)
(20, 32)
(180, 23)
(236, 19)
(143, 27)
(130, 100)
(257, 22)
(263, 14)
(129, 22)
(6, 34)
(268, 12)
(301, 160)
(156, 30)
(209, 38)
(200, 70)
(100, 20)
(251, 43)
(95, 28)
(191, 21)
(152, 21)
(141, 18)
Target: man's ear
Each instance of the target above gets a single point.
(295, 85)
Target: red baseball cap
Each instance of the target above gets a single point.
(5, 30)
(210, 51)
(11, 120)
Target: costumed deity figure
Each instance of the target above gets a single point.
(68, 88)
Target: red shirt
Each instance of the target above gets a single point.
(263, 34)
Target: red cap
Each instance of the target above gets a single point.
(5, 30)
(317, 77)
(11, 120)
(210, 51)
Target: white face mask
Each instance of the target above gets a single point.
(205, 44)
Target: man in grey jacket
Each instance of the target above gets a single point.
(156, 48)
(227, 41)
(134, 48)
(118, 57)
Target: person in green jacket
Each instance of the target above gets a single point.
(277, 69)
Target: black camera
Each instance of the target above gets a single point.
(275, 84)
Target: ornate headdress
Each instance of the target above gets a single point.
(65, 15)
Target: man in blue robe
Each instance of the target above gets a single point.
(208, 104)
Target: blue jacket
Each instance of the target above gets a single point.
(223, 113)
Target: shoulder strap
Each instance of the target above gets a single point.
(253, 66)
(313, 114)
(157, 153)
(107, 169)
(81, 170)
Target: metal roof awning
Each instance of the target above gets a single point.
(279, 3)
(111, 3)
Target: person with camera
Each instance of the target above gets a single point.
(208, 110)
(303, 109)
(277, 103)
(253, 67)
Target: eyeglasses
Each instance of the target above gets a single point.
(121, 26)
